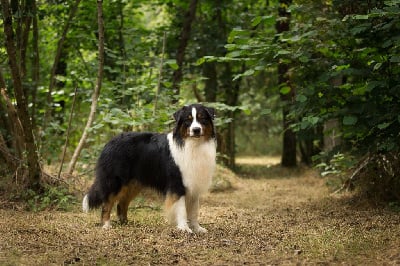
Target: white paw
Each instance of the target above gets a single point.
(107, 225)
(184, 228)
(199, 229)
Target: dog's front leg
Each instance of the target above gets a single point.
(176, 212)
(192, 207)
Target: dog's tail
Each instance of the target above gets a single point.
(91, 200)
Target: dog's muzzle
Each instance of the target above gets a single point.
(196, 132)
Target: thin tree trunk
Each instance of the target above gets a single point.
(289, 137)
(5, 122)
(32, 158)
(11, 160)
(232, 95)
(211, 82)
(57, 57)
(184, 39)
(68, 131)
(96, 92)
(35, 62)
(17, 129)
(160, 72)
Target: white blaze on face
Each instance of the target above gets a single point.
(195, 124)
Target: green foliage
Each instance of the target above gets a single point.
(52, 197)
(343, 66)
(337, 166)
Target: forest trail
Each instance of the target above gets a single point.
(272, 216)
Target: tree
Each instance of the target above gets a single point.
(28, 145)
(184, 38)
(287, 91)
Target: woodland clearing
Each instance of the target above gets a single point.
(270, 216)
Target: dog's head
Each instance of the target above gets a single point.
(194, 121)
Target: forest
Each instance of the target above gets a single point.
(312, 84)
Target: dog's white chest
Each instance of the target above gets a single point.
(196, 161)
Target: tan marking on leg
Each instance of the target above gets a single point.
(106, 212)
(124, 199)
(170, 200)
(176, 212)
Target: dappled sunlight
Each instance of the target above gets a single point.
(258, 160)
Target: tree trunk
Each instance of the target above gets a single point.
(231, 91)
(35, 62)
(96, 91)
(211, 82)
(289, 137)
(32, 158)
(184, 39)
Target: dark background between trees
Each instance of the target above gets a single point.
(315, 81)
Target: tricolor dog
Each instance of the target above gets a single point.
(179, 164)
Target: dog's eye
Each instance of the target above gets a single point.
(189, 117)
(200, 116)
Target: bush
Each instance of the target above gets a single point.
(380, 180)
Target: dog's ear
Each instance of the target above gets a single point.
(178, 113)
(211, 112)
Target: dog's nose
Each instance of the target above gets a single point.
(196, 130)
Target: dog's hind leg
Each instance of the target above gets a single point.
(125, 197)
(106, 212)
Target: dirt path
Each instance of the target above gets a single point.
(273, 216)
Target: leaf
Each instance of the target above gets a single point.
(304, 59)
(249, 72)
(283, 52)
(350, 120)
(200, 61)
(285, 90)
(377, 66)
(361, 17)
(301, 98)
(256, 21)
(341, 67)
(266, 19)
(172, 63)
(384, 125)
(234, 54)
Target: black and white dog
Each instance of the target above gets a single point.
(179, 164)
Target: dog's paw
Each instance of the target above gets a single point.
(199, 229)
(184, 228)
(107, 225)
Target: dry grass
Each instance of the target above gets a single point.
(274, 216)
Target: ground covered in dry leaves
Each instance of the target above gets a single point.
(271, 216)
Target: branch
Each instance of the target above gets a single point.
(96, 92)
(349, 182)
(160, 70)
(68, 131)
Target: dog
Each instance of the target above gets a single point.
(179, 164)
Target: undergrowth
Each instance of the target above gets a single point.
(51, 197)
(375, 176)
